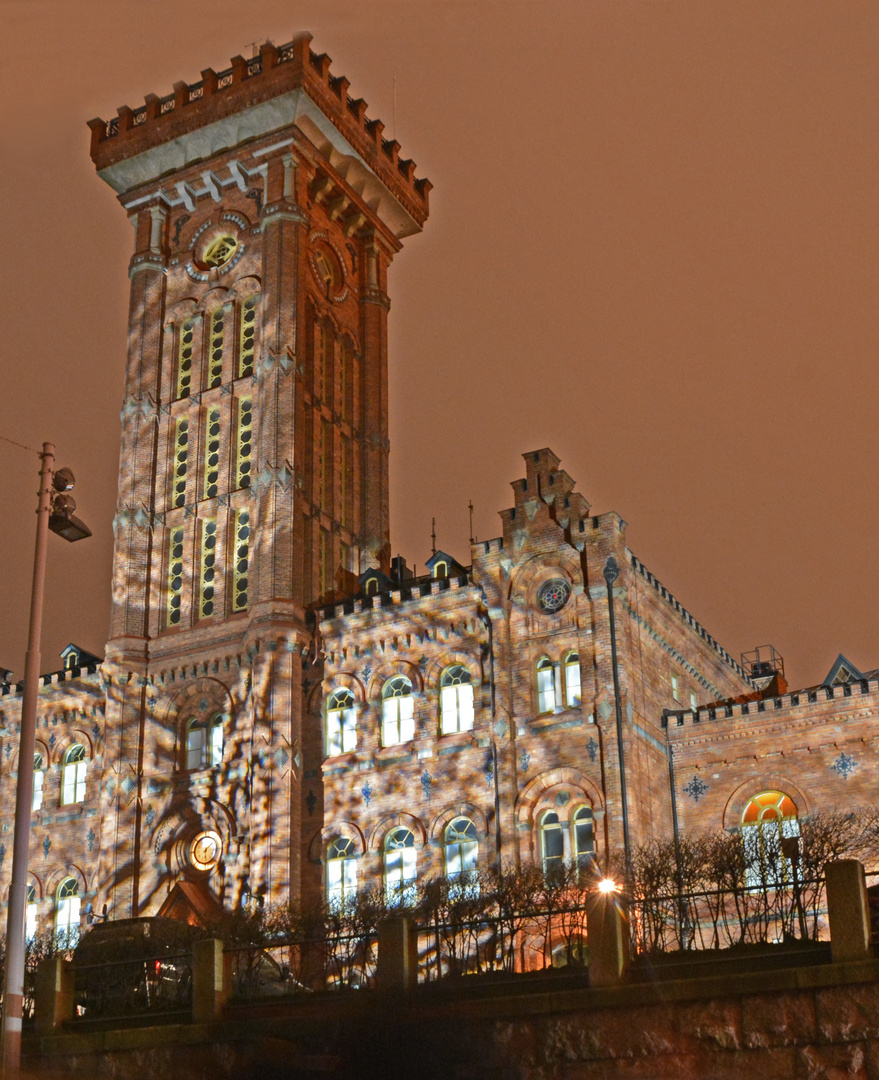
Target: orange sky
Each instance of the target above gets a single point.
(652, 246)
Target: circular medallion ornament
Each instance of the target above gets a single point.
(220, 250)
(205, 850)
(553, 595)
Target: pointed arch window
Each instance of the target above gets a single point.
(341, 723)
(456, 700)
(400, 867)
(67, 907)
(398, 711)
(545, 685)
(341, 872)
(73, 773)
(461, 847)
(573, 689)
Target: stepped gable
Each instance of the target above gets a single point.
(249, 83)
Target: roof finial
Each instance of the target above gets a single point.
(470, 507)
(433, 536)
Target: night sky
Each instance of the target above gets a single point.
(653, 246)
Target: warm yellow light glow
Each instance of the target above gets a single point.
(607, 885)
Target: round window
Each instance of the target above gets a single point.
(220, 250)
(553, 595)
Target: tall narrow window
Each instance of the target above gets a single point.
(326, 466)
(676, 687)
(37, 800)
(552, 842)
(204, 743)
(462, 847)
(584, 836)
(400, 860)
(769, 819)
(572, 680)
(67, 904)
(326, 365)
(344, 377)
(398, 711)
(181, 456)
(244, 442)
(456, 700)
(175, 576)
(344, 482)
(240, 560)
(73, 773)
(341, 872)
(212, 453)
(208, 567)
(30, 915)
(325, 561)
(341, 718)
(217, 347)
(545, 685)
(248, 336)
(184, 358)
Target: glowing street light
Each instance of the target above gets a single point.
(607, 885)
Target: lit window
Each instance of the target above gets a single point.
(341, 730)
(400, 858)
(676, 688)
(248, 336)
(545, 685)
(220, 251)
(693, 702)
(67, 911)
(398, 709)
(181, 455)
(184, 358)
(240, 560)
(769, 819)
(175, 576)
(552, 842)
(456, 700)
(30, 914)
(441, 569)
(73, 772)
(217, 341)
(584, 836)
(208, 567)
(204, 743)
(572, 680)
(244, 442)
(341, 872)
(37, 800)
(212, 453)
(462, 847)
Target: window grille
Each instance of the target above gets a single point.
(175, 576)
(217, 347)
(240, 560)
(212, 453)
(248, 336)
(181, 456)
(184, 358)
(208, 567)
(244, 443)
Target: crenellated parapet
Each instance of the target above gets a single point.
(255, 96)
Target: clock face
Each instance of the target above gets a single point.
(205, 850)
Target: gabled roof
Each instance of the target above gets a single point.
(453, 566)
(842, 671)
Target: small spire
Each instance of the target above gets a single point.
(470, 507)
(433, 536)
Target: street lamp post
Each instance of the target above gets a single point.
(611, 573)
(55, 513)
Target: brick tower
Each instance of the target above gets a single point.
(253, 475)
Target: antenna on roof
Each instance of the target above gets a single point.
(394, 120)
(433, 536)
(255, 46)
(470, 507)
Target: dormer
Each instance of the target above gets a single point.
(73, 656)
(442, 565)
(373, 582)
(842, 672)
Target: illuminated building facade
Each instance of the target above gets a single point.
(284, 710)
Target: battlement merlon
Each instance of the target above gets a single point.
(279, 88)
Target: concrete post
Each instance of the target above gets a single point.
(397, 967)
(848, 910)
(53, 997)
(210, 987)
(607, 935)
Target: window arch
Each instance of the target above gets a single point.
(573, 689)
(400, 867)
(398, 711)
(461, 847)
(73, 772)
(341, 872)
(204, 742)
(37, 799)
(584, 836)
(552, 842)
(340, 728)
(67, 905)
(456, 700)
(545, 685)
(768, 820)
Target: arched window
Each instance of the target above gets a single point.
(398, 711)
(545, 685)
(204, 742)
(456, 700)
(441, 569)
(769, 820)
(399, 859)
(30, 914)
(552, 842)
(37, 800)
(341, 872)
(73, 773)
(341, 730)
(462, 847)
(572, 680)
(584, 836)
(67, 910)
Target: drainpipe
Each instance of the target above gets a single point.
(611, 573)
(486, 619)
